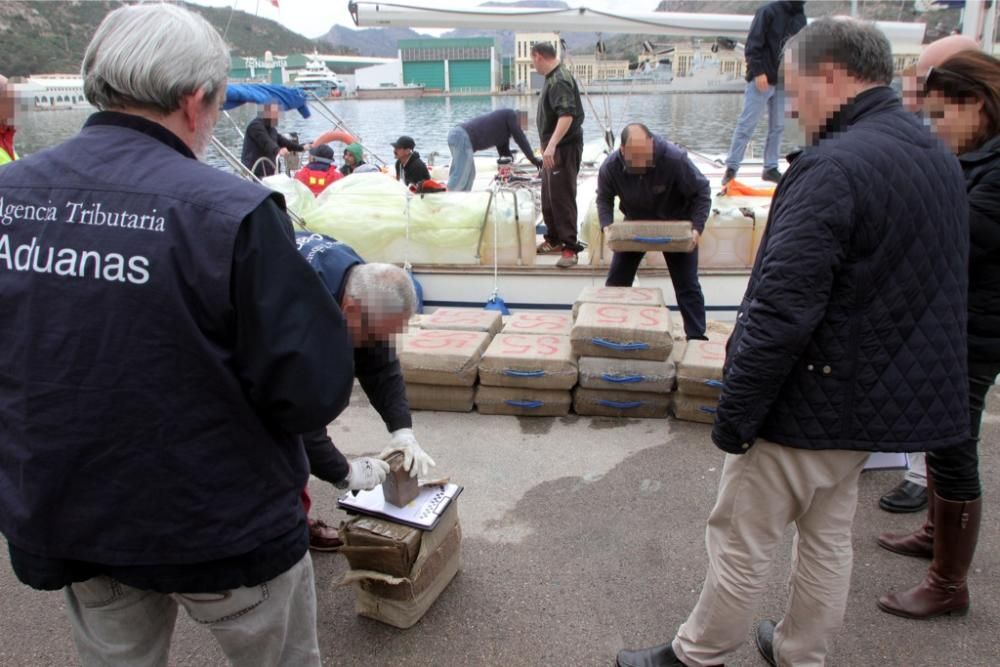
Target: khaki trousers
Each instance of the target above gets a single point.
(760, 494)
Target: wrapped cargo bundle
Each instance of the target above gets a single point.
(695, 408)
(621, 296)
(533, 362)
(440, 397)
(524, 402)
(727, 241)
(629, 375)
(617, 403)
(398, 572)
(463, 319)
(623, 332)
(650, 236)
(699, 372)
(440, 357)
(551, 324)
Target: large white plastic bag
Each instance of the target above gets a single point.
(298, 198)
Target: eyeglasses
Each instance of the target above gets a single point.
(952, 84)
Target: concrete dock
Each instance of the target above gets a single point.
(581, 536)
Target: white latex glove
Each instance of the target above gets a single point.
(416, 461)
(366, 473)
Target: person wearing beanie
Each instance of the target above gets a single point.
(354, 159)
(320, 171)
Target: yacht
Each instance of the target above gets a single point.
(54, 91)
(318, 79)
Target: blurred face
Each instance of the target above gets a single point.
(912, 96)
(814, 98)
(369, 327)
(638, 151)
(6, 104)
(957, 122)
(270, 112)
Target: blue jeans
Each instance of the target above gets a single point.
(754, 103)
(463, 167)
(683, 267)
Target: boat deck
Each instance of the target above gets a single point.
(581, 536)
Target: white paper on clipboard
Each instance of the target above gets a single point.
(422, 512)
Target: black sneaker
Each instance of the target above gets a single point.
(772, 175)
(728, 176)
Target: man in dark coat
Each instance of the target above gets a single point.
(773, 25)
(654, 180)
(377, 300)
(409, 168)
(850, 339)
(262, 140)
(491, 130)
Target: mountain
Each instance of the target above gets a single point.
(46, 37)
(368, 41)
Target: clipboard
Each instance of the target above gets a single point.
(423, 512)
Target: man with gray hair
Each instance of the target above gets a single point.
(164, 344)
(851, 338)
(377, 300)
(7, 129)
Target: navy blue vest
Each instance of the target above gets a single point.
(331, 259)
(126, 437)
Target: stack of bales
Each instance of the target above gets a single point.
(440, 359)
(623, 338)
(529, 368)
(699, 378)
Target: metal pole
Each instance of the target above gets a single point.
(242, 170)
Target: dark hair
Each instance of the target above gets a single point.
(971, 75)
(543, 49)
(857, 46)
(626, 133)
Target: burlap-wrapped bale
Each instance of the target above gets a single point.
(544, 324)
(699, 373)
(622, 296)
(695, 408)
(616, 403)
(520, 401)
(534, 362)
(463, 319)
(433, 356)
(622, 332)
(655, 377)
(440, 397)
(650, 236)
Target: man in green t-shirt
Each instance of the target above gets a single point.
(560, 129)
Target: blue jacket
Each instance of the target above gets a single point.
(852, 331)
(163, 344)
(672, 189)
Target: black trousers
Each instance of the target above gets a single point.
(683, 267)
(955, 471)
(559, 197)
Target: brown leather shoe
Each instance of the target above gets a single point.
(920, 543)
(945, 589)
(322, 537)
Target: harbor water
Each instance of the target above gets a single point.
(702, 122)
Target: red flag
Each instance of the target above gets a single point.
(275, 3)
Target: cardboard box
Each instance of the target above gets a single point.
(536, 362)
(650, 236)
(615, 403)
(622, 332)
(543, 324)
(622, 296)
(519, 401)
(656, 377)
(432, 356)
(463, 319)
(440, 397)
(695, 408)
(699, 373)
(378, 545)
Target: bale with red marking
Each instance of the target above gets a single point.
(621, 296)
(432, 356)
(534, 362)
(622, 332)
(463, 319)
(699, 372)
(542, 324)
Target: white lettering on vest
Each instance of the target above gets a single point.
(72, 263)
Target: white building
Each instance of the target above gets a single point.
(525, 77)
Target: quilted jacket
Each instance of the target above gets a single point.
(852, 331)
(982, 174)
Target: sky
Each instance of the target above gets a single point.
(314, 18)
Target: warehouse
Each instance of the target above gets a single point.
(459, 65)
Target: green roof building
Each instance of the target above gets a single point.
(453, 65)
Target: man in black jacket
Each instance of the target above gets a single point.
(262, 140)
(851, 338)
(149, 456)
(491, 130)
(377, 300)
(409, 168)
(773, 25)
(654, 180)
